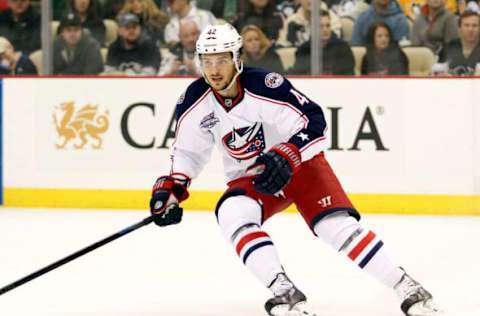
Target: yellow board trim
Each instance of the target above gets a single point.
(421, 204)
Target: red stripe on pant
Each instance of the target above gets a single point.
(361, 245)
(249, 237)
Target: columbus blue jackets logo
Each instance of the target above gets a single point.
(273, 80)
(246, 142)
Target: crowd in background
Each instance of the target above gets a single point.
(157, 37)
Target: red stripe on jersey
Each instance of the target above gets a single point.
(361, 245)
(249, 237)
(312, 143)
(302, 116)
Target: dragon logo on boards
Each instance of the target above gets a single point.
(246, 142)
(82, 126)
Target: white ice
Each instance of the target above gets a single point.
(189, 269)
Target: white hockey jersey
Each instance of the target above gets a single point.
(268, 110)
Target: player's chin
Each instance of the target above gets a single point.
(219, 85)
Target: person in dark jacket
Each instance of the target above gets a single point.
(263, 14)
(383, 56)
(258, 50)
(20, 24)
(75, 52)
(387, 11)
(89, 13)
(337, 57)
(463, 55)
(13, 62)
(132, 53)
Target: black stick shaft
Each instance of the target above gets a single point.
(75, 255)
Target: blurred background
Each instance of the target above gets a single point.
(294, 37)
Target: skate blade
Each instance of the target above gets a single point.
(427, 308)
(299, 309)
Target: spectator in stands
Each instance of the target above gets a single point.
(434, 26)
(387, 11)
(181, 58)
(59, 7)
(20, 24)
(263, 14)
(152, 19)
(75, 52)
(182, 9)
(463, 54)
(412, 8)
(353, 8)
(111, 8)
(383, 56)
(226, 9)
(287, 7)
(337, 57)
(14, 63)
(296, 30)
(258, 50)
(88, 11)
(132, 53)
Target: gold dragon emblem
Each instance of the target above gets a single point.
(84, 125)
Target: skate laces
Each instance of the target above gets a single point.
(407, 287)
(281, 286)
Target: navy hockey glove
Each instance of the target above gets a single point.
(278, 165)
(166, 194)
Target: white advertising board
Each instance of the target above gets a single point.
(399, 136)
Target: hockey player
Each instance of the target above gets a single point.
(272, 138)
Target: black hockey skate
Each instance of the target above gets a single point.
(416, 301)
(287, 300)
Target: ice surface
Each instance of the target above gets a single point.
(189, 269)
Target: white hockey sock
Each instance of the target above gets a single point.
(257, 252)
(362, 246)
(369, 253)
(240, 218)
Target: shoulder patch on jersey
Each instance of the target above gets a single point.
(181, 98)
(273, 80)
(193, 93)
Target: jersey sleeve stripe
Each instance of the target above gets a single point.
(302, 115)
(313, 148)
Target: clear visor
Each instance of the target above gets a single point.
(211, 62)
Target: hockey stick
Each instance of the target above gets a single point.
(77, 254)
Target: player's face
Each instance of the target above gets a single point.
(469, 29)
(382, 39)
(218, 68)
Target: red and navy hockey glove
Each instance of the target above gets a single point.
(167, 192)
(279, 165)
